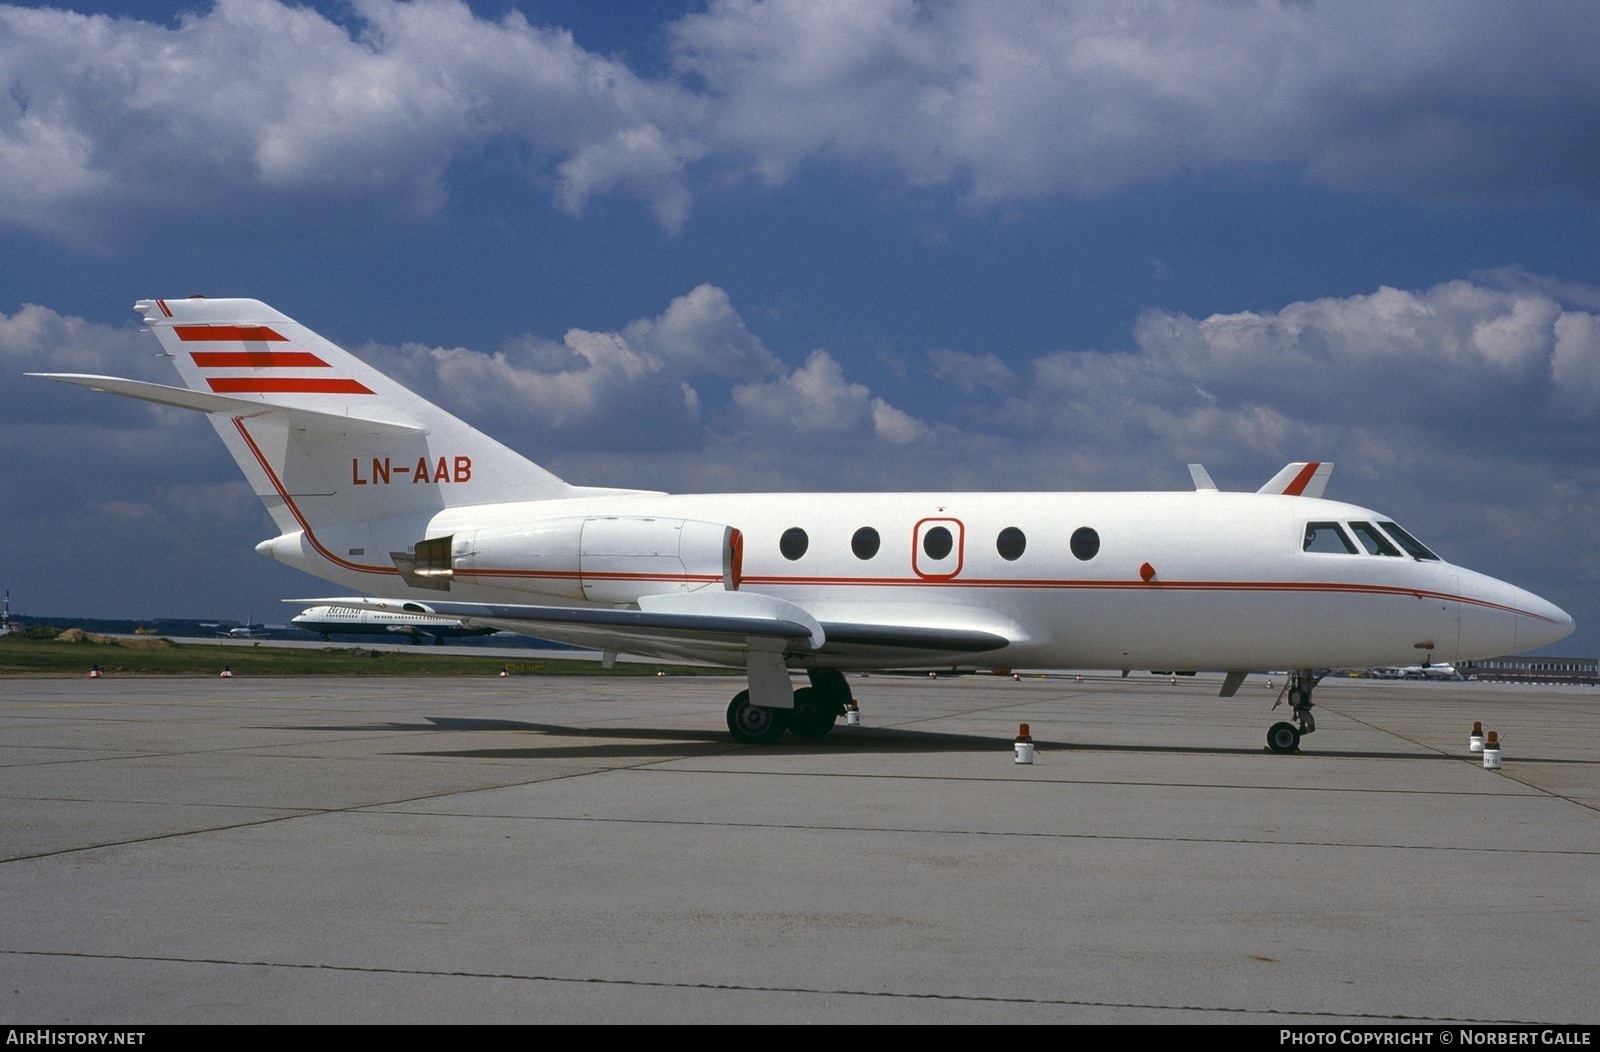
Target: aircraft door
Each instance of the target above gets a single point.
(938, 547)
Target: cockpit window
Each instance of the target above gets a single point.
(1413, 547)
(1374, 542)
(1327, 538)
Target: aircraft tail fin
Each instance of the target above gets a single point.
(324, 438)
(322, 435)
(1302, 479)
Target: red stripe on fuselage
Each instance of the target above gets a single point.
(285, 385)
(1007, 584)
(257, 360)
(228, 334)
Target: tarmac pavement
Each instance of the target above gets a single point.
(597, 849)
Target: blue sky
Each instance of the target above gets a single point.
(810, 245)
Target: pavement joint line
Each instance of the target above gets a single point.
(1023, 833)
(262, 748)
(756, 988)
(1502, 772)
(657, 767)
(297, 814)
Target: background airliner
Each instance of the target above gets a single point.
(330, 619)
(377, 489)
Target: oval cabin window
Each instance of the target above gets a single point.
(1011, 544)
(1085, 543)
(793, 543)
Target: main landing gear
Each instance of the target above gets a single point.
(816, 708)
(754, 725)
(1285, 736)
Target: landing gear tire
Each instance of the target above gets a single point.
(752, 724)
(814, 713)
(1283, 737)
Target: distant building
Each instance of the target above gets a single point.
(1533, 669)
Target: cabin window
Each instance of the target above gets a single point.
(1010, 544)
(937, 542)
(1413, 547)
(793, 543)
(1327, 538)
(1085, 543)
(865, 542)
(1374, 542)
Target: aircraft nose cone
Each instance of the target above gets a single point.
(1499, 618)
(1541, 622)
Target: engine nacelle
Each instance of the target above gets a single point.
(597, 558)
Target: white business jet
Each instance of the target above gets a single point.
(377, 489)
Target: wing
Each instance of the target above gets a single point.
(720, 627)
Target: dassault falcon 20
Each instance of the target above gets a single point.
(375, 488)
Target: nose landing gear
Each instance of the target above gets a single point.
(1285, 736)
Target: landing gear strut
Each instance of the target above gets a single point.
(1284, 736)
(816, 709)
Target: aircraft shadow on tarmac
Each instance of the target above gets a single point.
(662, 742)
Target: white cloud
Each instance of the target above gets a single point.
(1461, 362)
(1030, 99)
(630, 388)
(816, 399)
(1575, 365)
(229, 113)
(969, 372)
(37, 339)
(254, 99)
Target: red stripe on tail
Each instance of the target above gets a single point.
(285, 385)
(257, 360)
(1298, 486)
(227, 333)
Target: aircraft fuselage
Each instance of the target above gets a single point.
(1228, 586)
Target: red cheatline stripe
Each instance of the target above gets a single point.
(305, 526)
(257, 360)
(908, 582)
(164, 308)
(227, 333)
(285, 385)
(1298, 486)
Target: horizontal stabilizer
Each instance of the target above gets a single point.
(1302, 479)
(205, 402)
